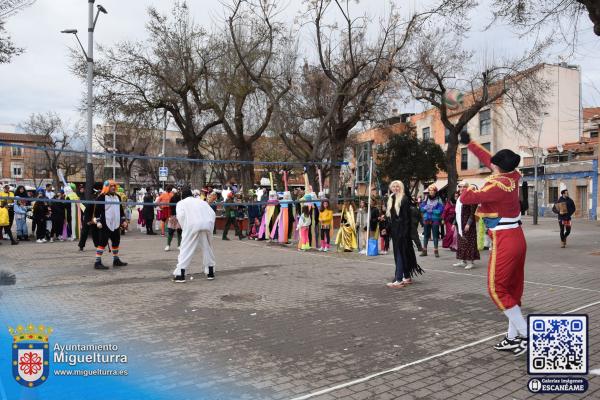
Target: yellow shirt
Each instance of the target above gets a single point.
(326, 219)
(9, 194)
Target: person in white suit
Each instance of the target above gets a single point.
(197, 220)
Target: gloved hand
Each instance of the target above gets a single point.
(465, 138)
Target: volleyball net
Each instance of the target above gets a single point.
(35, 167)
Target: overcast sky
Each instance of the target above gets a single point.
(40, 81)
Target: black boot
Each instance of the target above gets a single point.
(13, 242)
(211, 273)
(118, 263)
(180, 278)
(225, 238)
(99, 265)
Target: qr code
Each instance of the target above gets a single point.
(558, 344)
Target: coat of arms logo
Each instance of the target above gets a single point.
(30, 354)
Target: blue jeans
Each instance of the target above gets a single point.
(22, 228)
(428, 229)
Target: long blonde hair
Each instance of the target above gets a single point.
(399, 197)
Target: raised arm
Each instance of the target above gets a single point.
(477, 149)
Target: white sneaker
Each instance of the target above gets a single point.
(326, 249)
(44, 240)
(40, 241)
(167, 248)
(469, 266)
(459, 264)
(362, 252)
(51, 240)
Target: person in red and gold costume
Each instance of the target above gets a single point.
(499, 207)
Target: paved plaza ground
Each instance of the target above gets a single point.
(280, 324)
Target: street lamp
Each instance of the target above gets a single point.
(535, 176)
(89, 56)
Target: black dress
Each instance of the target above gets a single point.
(404, 253)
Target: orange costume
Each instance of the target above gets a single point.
(499, 207)
(165, 210)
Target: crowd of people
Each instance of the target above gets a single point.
(471, 221)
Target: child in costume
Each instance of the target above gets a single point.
(270, 216)
(21, 220)
(384, 233)
(254, 228)
(346, 236)
(304, 226)
(326, 222)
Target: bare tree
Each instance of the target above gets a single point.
(255, 71)
(60, 136)
(8, 50)
(11, 7)
(168, 72)
(132, 138)
(352, 72)
(302, 111)
(439, 64)
(562, 17)
(217, 146)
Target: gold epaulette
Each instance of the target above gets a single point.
(501, 181)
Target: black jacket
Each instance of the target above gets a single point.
(147, 210)
(99, 210)
(570, 208)
(400, 231)
(400, 222)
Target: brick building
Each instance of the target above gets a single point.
(17, 165)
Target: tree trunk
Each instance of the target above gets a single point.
(197, 178)
(593, 9)
(337, 155)
(127, 181)
(451, 164)
(246, 153)
(313, 178)
(55, 180)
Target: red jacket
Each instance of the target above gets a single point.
(499, 196)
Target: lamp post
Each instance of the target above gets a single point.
(535, 173)
(114, 150)
(89, 56)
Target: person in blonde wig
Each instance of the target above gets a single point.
(398, 212)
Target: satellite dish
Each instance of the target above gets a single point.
(560, 148)
(545, 152)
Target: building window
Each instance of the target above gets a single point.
(16, 170)
(17, 152)
(594, 134)
(179, 142)
(488, 147)
(485, 122)
(553, 194)
(464, 159)
(426, 133)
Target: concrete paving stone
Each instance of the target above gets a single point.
(279, 324)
